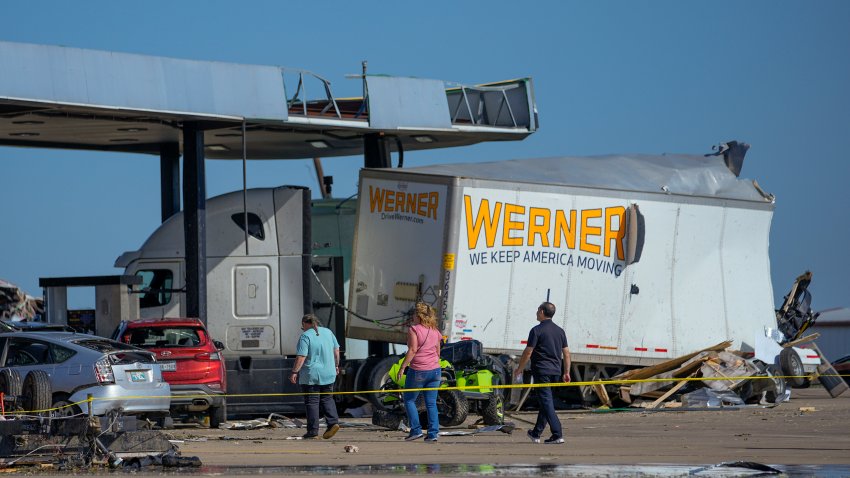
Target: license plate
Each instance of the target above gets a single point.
(168, 366)
(139, 376)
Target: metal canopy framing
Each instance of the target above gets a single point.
(71, 98)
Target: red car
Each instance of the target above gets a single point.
(190, 360)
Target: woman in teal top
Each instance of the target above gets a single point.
(316, 367)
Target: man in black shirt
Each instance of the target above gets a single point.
(547, 344)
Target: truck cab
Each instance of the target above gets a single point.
(260, 280)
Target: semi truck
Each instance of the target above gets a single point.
(645, 257)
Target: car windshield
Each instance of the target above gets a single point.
(155, 337)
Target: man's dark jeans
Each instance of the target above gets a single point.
(312, 402)
(546, 404)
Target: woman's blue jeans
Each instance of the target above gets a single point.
(422, 379)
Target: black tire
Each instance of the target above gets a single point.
(494, 410)
(36, 393)
(379, 376)
(387, 419)
(11, 384)
(65, 409)
(792, 367)
(217, 416)
(776, 393)
(452, 408)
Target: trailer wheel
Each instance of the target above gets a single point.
(379, 376)
(452, 408)
(776, 393)
(36, 391)
(792, 367)
(494, 410)
(10, 383)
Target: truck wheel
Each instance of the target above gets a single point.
(10, 384)
(36, 392)
(792, 366)
(452, 408)
(776, 393)
(378, 378)
(494, 410)
(217, 416)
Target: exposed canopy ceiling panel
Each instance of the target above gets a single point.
(60, 97)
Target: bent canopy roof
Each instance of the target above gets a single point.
(74, 98)
(677, 174)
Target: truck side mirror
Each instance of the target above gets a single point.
(218, 344)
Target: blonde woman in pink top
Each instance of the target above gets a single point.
(423, 358)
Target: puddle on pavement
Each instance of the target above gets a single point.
(520, 470)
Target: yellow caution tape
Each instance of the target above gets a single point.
(463, 388)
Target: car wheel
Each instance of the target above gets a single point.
(10, 384)
(64, 408)
(792, 367)
(217, 416)
(36, 392)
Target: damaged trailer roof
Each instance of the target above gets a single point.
(675, 174)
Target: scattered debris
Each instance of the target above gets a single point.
(81, 442)
(505, 428)
(363, 411)
(808, 409)
(708, 398)
(15, 304)
(351, 449)
(274, 420)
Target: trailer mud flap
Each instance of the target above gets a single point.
(635, 234)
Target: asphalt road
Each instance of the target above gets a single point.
(783, 435)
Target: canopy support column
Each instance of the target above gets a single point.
(194, 220)
(169, 179)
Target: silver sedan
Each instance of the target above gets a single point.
(118, 377)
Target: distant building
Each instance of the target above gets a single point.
(833, 325)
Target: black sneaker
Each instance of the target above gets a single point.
(553, 440)
(534, 439)
(308, 436)
(414, 437)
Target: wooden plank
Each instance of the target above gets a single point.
(642, 388)
(670, 392)
(647, 372)
(803, 340)
(602, 394)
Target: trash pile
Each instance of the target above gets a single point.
(75, 442)
(711, 377)
(15, 304)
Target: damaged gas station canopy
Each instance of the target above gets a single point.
(72, 98)
(15, 304)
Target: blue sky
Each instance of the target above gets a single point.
(610, 77)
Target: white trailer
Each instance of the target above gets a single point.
(645, 257)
